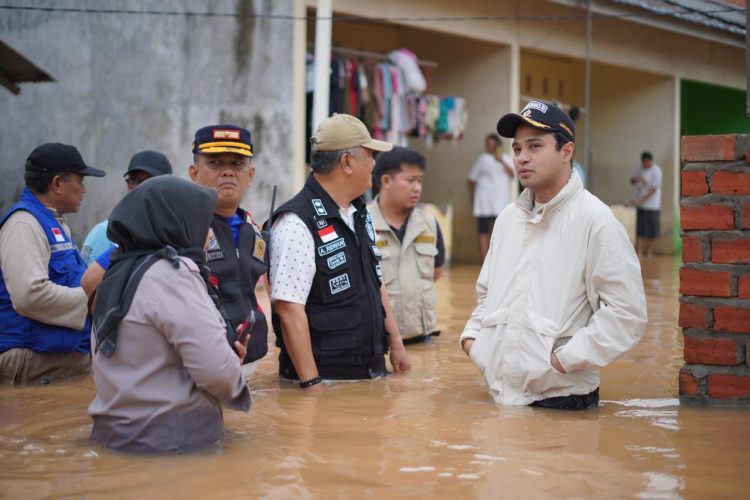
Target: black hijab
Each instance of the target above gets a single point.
(164, 218)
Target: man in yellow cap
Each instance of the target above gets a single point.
(236, 252)
(330, 310)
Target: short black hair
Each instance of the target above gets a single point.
(646, 155)
(561, 140)
(390, 162)
(38, 179)
(494, 137)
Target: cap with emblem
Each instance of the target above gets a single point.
(223, 139)
(57, 157)
(538, 115)
(343, 132)
(151, 162)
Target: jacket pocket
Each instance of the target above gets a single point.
(426, 259)
(337, 328)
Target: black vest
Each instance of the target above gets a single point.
(235, 272)
(344, 310)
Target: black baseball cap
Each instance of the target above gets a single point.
(153, 163)
(57, 157)
(223, 139)
(538, 115)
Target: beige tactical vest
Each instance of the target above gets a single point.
(408, 269)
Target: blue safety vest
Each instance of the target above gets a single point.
(65, 268)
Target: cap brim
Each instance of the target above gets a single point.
(224, 149)
(94, 172)
(508, 124)
(376, 145)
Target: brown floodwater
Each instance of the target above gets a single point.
(432, 433)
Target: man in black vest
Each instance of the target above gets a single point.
(331, 313)
(236, 249)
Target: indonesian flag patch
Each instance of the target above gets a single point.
(58, 235)
(327, 234)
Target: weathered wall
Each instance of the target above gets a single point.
(715, 275)
(126, 82)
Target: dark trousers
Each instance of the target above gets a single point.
(572, 402)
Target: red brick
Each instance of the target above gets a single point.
(691, 249)
(730, 183)
(707, 217)
(711, 351)
(744, 287)
(745, 224)
(704, 283)
(707, 148)
(688, 384)
(693, 315)
(731, 251)
(694, 183)
(722, 386)
(731, 319)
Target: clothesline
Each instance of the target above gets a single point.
(346, 51)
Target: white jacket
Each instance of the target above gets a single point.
(565, 280)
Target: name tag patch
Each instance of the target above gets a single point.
(337, 260)
(59, 247)
(327, 234)
(320, 209)
(215, 255)
(331, 247)
(58, 235)
(424, 238)
(339, 284)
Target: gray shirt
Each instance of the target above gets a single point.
(160, 391)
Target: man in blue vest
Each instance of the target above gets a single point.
(44, 333)
(236, 253)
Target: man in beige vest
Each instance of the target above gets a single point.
(409, 240)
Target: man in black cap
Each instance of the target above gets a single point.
(143, 165)
(44, 334)
(236, 251)
(560, 294)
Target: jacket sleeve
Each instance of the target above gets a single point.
(189, 321)
(25, 264)
(615, 290)
(474, 325)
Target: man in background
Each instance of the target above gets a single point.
(410, 241)
(648, 204)
(489, 188)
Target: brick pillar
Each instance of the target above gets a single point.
(715, 274)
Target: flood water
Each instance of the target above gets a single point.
(432, 433)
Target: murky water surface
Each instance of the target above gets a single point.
(433, 433)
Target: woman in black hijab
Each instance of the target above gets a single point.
(161, 360)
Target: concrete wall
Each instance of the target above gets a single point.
(126, 82)
(631, 112)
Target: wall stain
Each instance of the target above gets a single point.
(244, 36)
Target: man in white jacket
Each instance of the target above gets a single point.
(560, 294)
